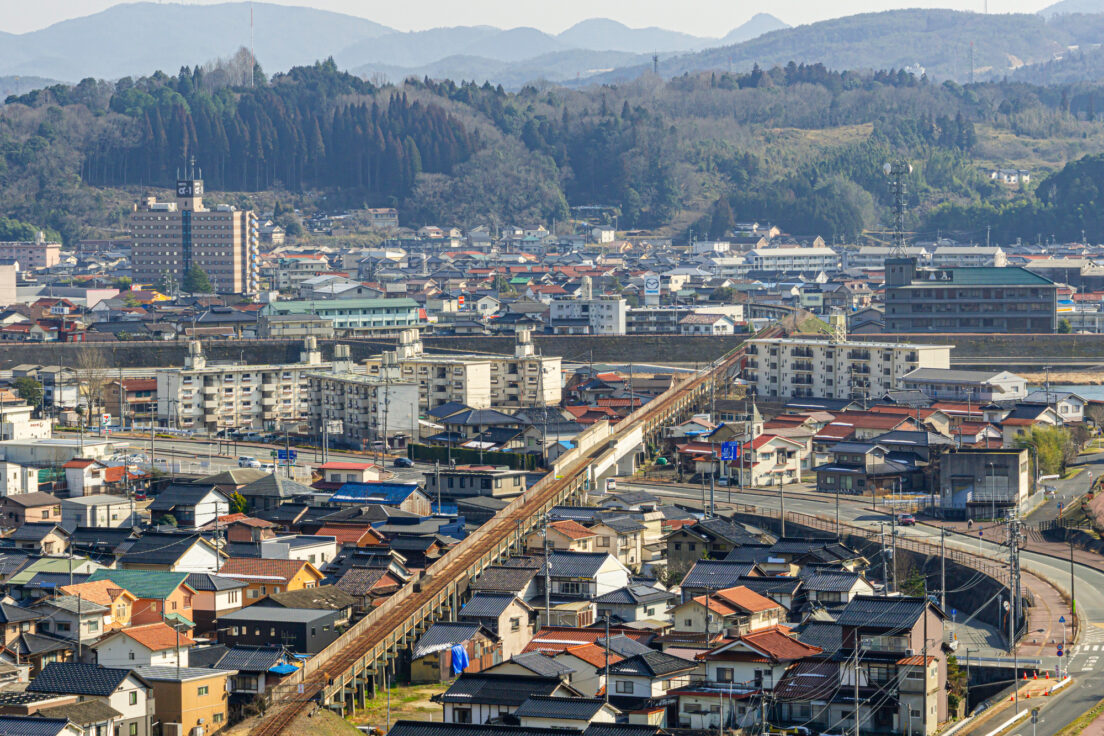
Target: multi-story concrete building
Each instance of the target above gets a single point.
(814, 258)
(985, 484)
(171, 237)
(131, 400)
(523, 379)
(597, 316)
(835, 369)
(286, 274)
(362, 409)
(969, 256)
(874, 256)
(294, 326)
(999, 300)
(31, 254)
(981, 387)
(356, 314)
(238, 396)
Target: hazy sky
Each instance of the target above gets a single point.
(700, 17)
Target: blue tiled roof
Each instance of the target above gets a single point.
(391, 494)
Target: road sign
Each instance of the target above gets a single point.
(272, 453)
(335, 426)
(105, 419)
(954, 612)
(287, 454)
(1034, 715)
(1060, 505)
(730, 451)
(1061, 619)
(1059, 652)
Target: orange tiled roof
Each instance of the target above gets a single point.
(593, 654)
(572, 529)
(158, 636)
(102, 592)
(249, 567)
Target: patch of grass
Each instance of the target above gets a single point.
(1073, 472)
(1083, 722)
(411, 702)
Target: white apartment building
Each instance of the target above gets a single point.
(813, 258)
(843, 369)
(16, 479)
(16, 423)
(874, 256)
(236, 396)
(597, 316)
(368, 408)
(970, 256)
(523, 379)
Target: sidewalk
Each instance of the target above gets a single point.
(1030, 692)
(1044, 631)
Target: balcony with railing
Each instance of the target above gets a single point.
(804, 366)
(802, 353)
(858, 355)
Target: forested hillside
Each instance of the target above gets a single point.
(798, 145)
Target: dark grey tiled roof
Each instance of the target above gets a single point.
(429, 728)
(771, 584)
(443, 635)
(487, 605)
(159, 549)
(359, 580)
(275, 486)
(838, 581)
(571, 709)
(622, 524)
(32, 726)
(725, 530)
(512, 579)
(748, 553)
(827, 635)
(621, 729)
(870, 611)
(634, 594)
(498, 689)
(206, 581)
(624, 646)
(323, 597)
(576, 564)
(10, 614)
(651, 664)
(88, 712)
(716, 574)
(250, 659)
(542, 664)
(797, 546)
(77, 679)
(179, 494)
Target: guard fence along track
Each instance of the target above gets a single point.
(357, 660)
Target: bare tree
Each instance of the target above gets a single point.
(91, 372)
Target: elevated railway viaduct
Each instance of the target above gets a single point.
(343, 675)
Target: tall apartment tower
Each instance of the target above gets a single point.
(170, 237)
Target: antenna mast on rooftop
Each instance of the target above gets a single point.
(897, 171)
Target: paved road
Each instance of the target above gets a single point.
(212, 456)
(1086, 662)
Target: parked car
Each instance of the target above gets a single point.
(403, 462)
(248, 462)
(906, 519)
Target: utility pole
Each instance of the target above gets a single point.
(1073, 581)
(893, 547)
(857, 641)
(1013, 596)
(437, 482)
(925, 658)
(287, 452)
(607, 658)
(942, 569)
(548, 580)
(782, 506)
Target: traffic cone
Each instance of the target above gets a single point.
(1025, 675)
(1036, 675)
(1047, 673)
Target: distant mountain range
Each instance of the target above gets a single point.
(136, 38)
(941, 42)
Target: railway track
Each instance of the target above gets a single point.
(286, 705)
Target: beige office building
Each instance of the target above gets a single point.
(171, 237)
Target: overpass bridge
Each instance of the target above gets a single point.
(345, 673)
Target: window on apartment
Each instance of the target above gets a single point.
(461, 715)
(133, 729)
(571, 588)
(724, 674)
(133, 695)
(201, 690)
(624, 687)
(217, 718)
